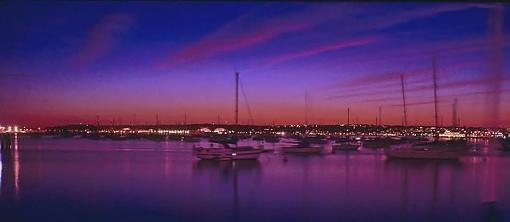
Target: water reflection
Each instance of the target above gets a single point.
(171, 185)
(227, 173)
(15, 156)
(10, 171)
(489, 192)
(1, 171)
(430, 183)
(9, 181)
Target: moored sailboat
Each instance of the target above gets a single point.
(346, 146)
(425, 150)
(226, 151)
(435, 149)
(302, 147)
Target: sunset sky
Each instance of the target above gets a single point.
(66, 63)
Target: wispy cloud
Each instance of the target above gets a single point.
(386, 77)
(392, 79)
(103, 37)
(382, 96)
(324, 48)
(471, 83)
(390, 18)
(249, 30)
(413, 104)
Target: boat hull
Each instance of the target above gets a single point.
(345, 147)
(302, 150)
(226, 154)
(421, 154)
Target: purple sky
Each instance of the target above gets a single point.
(68, 62)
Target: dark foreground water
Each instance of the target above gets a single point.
(85, 180)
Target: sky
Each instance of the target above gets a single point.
(128, 62)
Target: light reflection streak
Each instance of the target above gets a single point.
(16, 165)
(1, 171)
(489, 189)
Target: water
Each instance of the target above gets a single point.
(86, 180)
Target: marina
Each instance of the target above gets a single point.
(77, 176)
(254, 112)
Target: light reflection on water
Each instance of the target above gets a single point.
(86, 180)
(1, 171)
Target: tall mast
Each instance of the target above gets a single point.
(454, 113)
(348, 116)
(306, 107)
(237, 99)
(403, 98)
(434, 77)
(380, 116)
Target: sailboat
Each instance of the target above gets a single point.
(346, 146)
(435, 149)
(426, 150)
(226, 151)
(306, 144)
(303, 146)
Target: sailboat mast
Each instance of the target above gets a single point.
(403, 98)
(237, 99)
(434, 77)
(348, 116)
(380, 116)
(306, 107)
(454, 113)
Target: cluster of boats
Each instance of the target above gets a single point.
(228, 149)
(404, 148)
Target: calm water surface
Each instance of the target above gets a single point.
(86, 180)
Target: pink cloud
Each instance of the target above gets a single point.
(247, 31)
(392, 79)
(414, 104)
(324, 48)
(390, 18)
(103, 37)
(455, 85)
(374, 79)
(396, 97)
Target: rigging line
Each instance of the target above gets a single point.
(246, 102)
